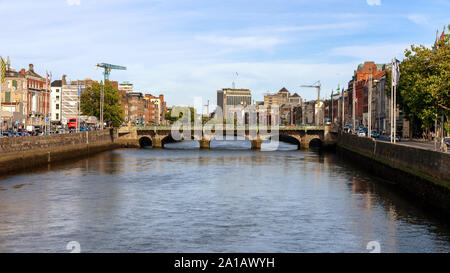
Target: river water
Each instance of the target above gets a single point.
(227, 199)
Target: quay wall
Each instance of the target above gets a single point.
(24, 153)
(424, 173)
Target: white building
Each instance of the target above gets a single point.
(55, 101)
(126, 86)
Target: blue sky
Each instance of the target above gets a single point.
(191, 48)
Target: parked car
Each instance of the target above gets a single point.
(7, 134)
(348, 128)
(362, 133)
(397, 138)
(447, 141)
(375, 134)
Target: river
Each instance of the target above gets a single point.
(227, 199)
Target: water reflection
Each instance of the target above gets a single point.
(227, 199)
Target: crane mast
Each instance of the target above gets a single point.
(107, 71)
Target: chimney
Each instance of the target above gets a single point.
(64, 80)
(31, 68)
(8, 64)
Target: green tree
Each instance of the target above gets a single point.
(168, 114)
(425, 82)
(90, 104)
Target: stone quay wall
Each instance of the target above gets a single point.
(422, 172)
(24, 153)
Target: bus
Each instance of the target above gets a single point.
(73, 124)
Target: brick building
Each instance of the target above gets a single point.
(25, 98)
(362, 80)
(142, 109)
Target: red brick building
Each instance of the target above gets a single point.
(362, 76)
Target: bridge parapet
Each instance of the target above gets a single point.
(205, 134)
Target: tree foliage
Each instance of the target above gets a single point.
(425, 81)
(90, 103)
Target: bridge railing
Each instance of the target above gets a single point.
(246, 127)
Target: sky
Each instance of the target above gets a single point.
(191, 48)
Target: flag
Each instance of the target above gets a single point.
(46, 80)
(3, 70)
(79, 88)
(442, 35)
(395, 72)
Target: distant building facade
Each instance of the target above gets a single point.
(25, 98)
(229, 97)
(290, 106)
(55, 101)
(127, 87)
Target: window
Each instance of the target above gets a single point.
(57, 116)
(57, 106)
(57, 97)
(57, 90)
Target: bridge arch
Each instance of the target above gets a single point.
(291, 139)
(145, 142)
(315, 143)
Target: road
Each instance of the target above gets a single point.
(413, 143)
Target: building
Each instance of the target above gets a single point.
(25, 98)
(232, 97)
(140, 109)
(13, 97)
(55, 101)
(277, 99)
(365, 73)
(70, 93)
(157, 109)
(136, 108)
(38, 97)
(126, 87)
(290, 106)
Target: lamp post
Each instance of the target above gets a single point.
(369, 110)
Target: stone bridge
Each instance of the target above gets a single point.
(157, 136)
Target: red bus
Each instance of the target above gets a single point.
(72, 123)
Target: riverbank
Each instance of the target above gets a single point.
(24, 153)
(421, 172)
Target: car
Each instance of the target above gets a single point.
(397, 138)
(375, 134)
(447, 141)
(362, 133)
(7, 134)
(348, 128)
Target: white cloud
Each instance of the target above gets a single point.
(380, 53)
(373, 2)
(419, 19)
(73, 2)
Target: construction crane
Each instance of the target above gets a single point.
(318, 104)
(107, 68)
(315, 85)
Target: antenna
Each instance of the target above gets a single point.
(207, 108)
(234, 84)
